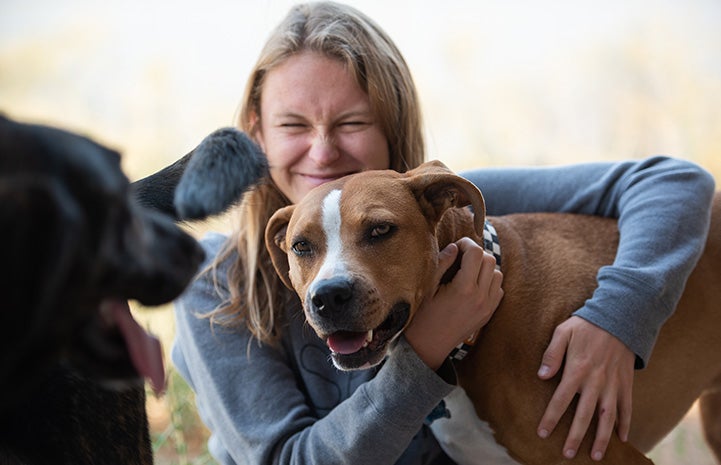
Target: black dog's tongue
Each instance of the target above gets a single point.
(144, 349)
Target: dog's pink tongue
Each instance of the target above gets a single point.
(144, 349)
(346, 342)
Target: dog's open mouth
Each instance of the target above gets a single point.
(114, 340)
(353, 350)
(144, 349)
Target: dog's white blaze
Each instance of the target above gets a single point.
(333, 264)
(464, 437)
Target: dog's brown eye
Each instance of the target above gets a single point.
(380, 230)
(301, 248)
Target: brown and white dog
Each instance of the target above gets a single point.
(360, 251)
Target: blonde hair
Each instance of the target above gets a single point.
(257, 297)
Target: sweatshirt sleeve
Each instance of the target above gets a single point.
(663, 210)
(251, 400)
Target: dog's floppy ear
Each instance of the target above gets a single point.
(437, 189)
(41, 230)
(41, 227)
(275, 242)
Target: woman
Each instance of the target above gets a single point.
(331, 95)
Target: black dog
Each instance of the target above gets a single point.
(77, 241)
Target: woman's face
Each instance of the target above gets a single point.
(316, 125)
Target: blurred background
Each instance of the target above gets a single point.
(501, 82)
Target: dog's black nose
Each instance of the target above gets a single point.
(330, 295)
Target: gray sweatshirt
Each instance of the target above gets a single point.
(287, 405)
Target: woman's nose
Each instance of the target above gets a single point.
(323, 149)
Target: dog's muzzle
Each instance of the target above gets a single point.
(337, 315)
(331, 299)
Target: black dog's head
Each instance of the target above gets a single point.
(75, 246)
(77, 241)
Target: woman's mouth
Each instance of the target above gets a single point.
(318, 179)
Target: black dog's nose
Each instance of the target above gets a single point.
(330, 295)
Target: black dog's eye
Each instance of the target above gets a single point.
(380, 230)
(301, 248)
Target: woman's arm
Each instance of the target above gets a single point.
(662, 206)
(253, 401)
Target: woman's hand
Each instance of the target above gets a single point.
(455, 310)
(598, 367)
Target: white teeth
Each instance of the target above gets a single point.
(369, 338)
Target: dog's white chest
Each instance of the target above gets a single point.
(464, 437)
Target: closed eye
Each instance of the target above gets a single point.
(351, 126)
(293, 128)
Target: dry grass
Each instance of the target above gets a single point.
(685, 444)
(178, 435)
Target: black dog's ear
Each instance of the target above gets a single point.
(41, 229)
(208, 180)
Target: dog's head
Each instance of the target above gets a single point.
(361, 252)
(75, 246)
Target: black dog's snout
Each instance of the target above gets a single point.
(331, 296)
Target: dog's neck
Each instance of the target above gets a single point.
(491, 245)
(455, 224)
(458, 223)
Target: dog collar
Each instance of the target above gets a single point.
(491, 245)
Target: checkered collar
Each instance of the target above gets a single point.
(490, 242)
(491, 245)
